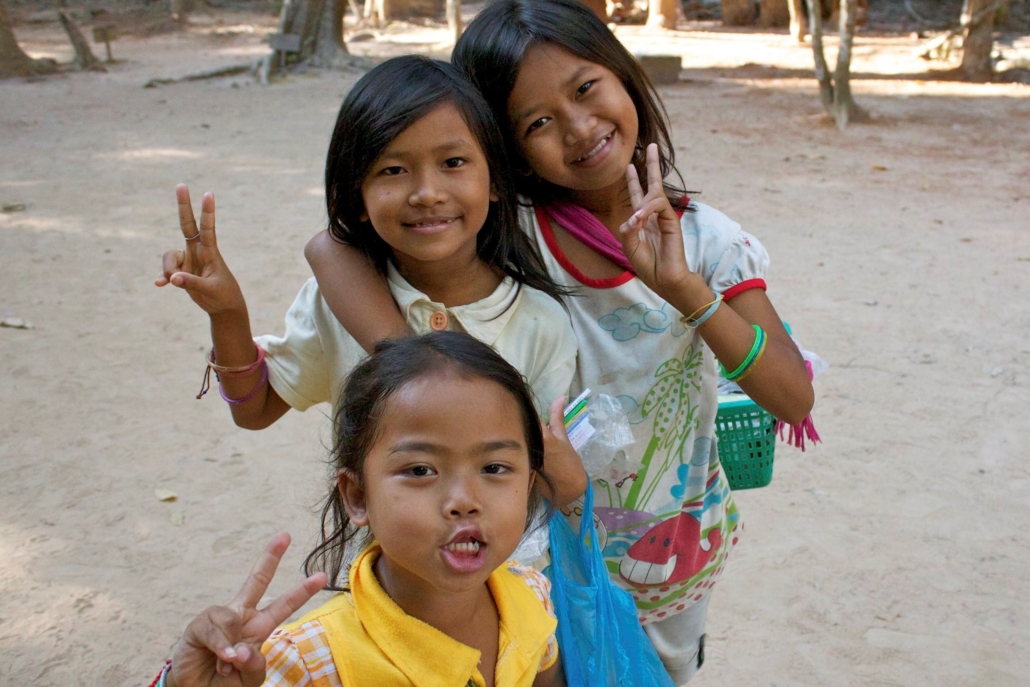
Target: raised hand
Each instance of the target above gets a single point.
(651, 237)
(222, 646)
(199, 269)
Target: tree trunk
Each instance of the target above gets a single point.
(84, 58)
(798, 25)
(13, 60)
(738, 12)
(662, 14)
(835, 90)
(454, 19)
(319, 23)
(978, 38)
(773, 13)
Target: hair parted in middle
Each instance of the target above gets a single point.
(491, 50)
(382, 104)
(359, 417)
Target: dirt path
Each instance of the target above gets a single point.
(894, 554)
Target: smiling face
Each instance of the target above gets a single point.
(575, 124)
(429, 194)
(446, 486)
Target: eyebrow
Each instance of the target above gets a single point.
(439, 449)
(576, 75)
(455, 144)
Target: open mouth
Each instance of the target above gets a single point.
(465, 553)
(596, 149)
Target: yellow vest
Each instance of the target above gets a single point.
(374, 642)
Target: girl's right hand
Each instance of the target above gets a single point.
(652, 238)
(199, 269)
(222, 646)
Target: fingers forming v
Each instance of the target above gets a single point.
(654, 171)
(187, 222)
(207, 220)
(261, 575)
(636, 194)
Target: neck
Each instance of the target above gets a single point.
(448, 612)
(610, 205)
(457, 280)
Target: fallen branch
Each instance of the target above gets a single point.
(200, 76)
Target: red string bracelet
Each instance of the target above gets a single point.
(161, 673)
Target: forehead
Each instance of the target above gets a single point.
(546, 69)
(450, 408)
(440, 128)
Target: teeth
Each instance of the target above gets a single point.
(596, 148)
(465, 547)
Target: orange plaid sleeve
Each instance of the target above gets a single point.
(541, 586)
(300, 658)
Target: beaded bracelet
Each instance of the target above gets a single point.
(228, 372)
(750, 359)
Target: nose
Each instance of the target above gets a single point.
(428, 189)
(579, 124)
(463, 497)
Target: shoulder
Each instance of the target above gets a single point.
(299, 654)
(536, 581)
(705, 221)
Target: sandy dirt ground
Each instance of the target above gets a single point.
(896, 553)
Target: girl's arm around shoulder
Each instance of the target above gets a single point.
(355, 291)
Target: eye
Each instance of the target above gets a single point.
(454, 162)
(585, 87)
(420, 471)
(391, 171)
(537, 124)
(495, 469)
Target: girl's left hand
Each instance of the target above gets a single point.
(222, 646)
(652, 238)
(561, 462)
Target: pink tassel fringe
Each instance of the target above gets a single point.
(797, 434)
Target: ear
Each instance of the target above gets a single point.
(493, 194)
(353, 496)
(363, 217)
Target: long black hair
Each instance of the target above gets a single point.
(359, 415)
(383, 103)
(491, 50)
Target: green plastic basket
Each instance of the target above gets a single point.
(747, 441)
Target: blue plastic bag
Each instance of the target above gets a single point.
(600, 640)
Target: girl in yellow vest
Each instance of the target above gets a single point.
(438, 451)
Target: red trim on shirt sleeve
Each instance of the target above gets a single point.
(545, 229)
(743, 286)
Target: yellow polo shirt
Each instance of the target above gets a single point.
(362, 637)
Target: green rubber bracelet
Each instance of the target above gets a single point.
(759, 337)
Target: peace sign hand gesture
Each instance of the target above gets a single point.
(222, 646)
(200, 269)
(651, 237)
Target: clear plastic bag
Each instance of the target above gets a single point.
(599, 431)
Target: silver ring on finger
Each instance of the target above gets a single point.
(191, 238)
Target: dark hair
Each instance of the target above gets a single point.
(383, 103)
(493, 45)
(359, 416)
